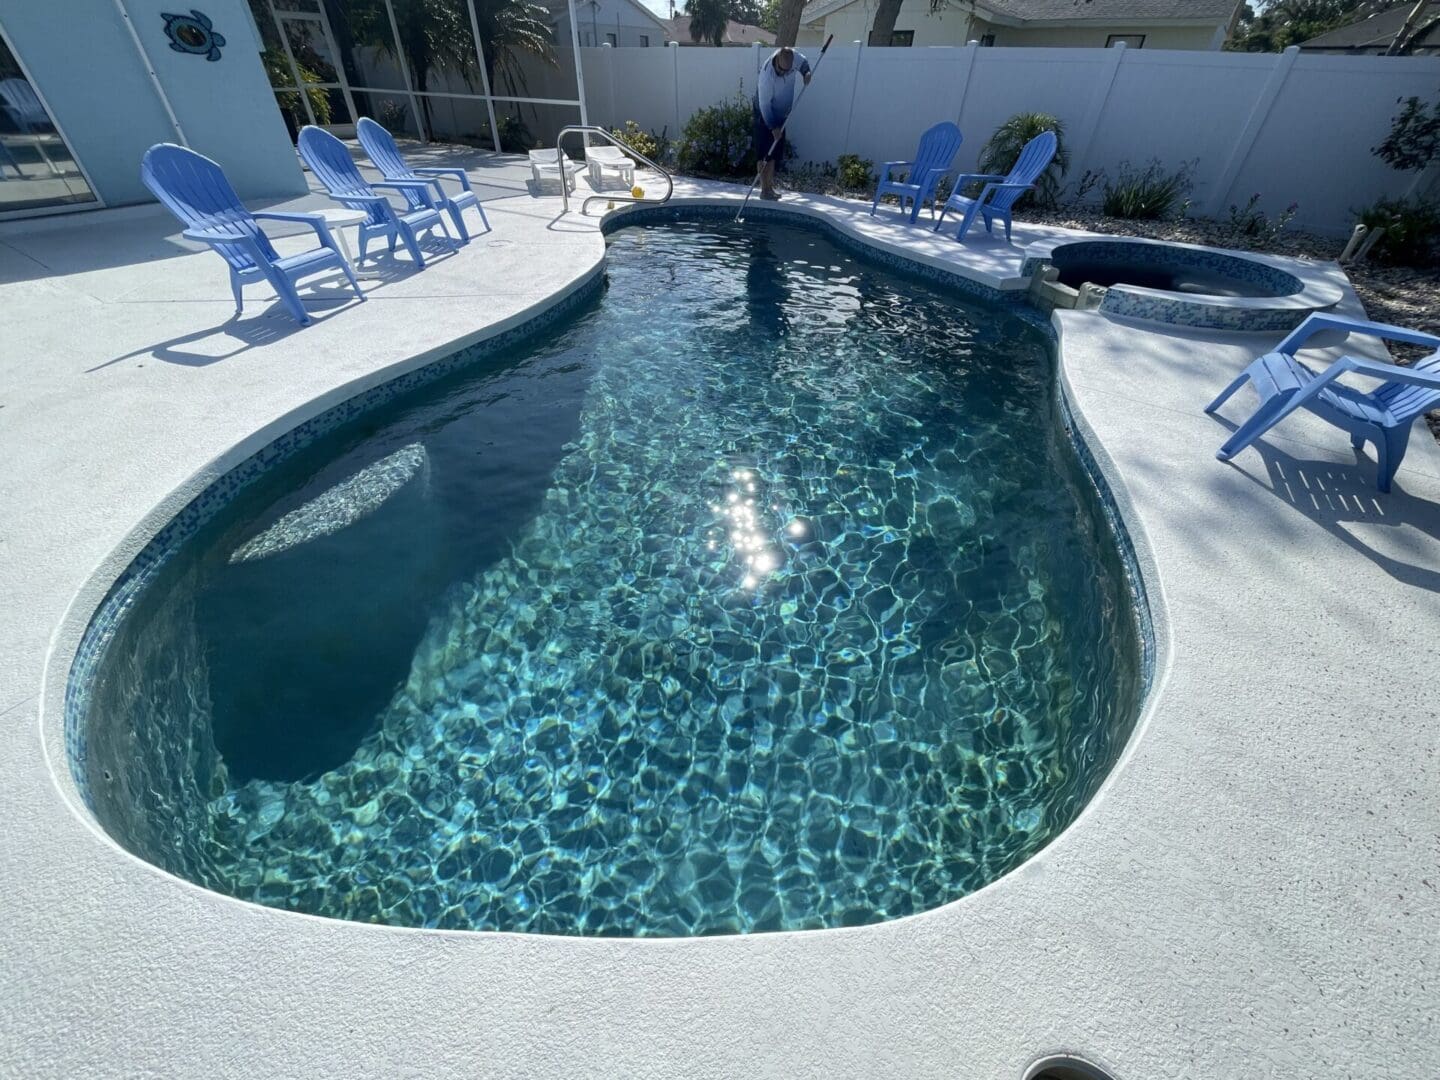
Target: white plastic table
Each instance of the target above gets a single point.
(339, 219)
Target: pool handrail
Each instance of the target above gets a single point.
(591, 129)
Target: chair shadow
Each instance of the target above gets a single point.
(384, 265)
(1335, 496)
(323, 301)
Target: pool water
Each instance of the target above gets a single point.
(768, 593)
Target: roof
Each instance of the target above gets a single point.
(560, 9)
(736, 33)
(1378, 31)
(1064, 11)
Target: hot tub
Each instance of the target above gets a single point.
(1183, 284)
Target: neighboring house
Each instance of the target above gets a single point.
(1374, 35)
(1094, 24)
(736, 33)
(624, 23)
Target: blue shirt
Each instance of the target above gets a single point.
(775, 93)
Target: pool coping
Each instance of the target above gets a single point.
(921, 926)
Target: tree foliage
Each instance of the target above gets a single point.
(708, 20)
(1414, 139)
(1011, 137)
(1278, 25)
(435, 38)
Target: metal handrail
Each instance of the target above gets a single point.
(591, 129)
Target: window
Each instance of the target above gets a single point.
(902, 37)
(1130, 41)
(36, 164)
(987, 40)
(644, 41)
(611, 40)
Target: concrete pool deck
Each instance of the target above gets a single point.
(1253, 892)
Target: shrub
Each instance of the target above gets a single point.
(643, 142)
(1087, 183)
(1412, 231)
(1010, 138)
(1414, 139)
(1147, 194)
(515, 137)
(716, 140)
(394, 116)
(1254, 225)
(854, 172)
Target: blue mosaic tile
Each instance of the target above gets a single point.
(1181, 312)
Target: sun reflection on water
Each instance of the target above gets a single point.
(757, 546)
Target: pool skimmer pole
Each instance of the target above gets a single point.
(759, 165)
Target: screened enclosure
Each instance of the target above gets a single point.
(495, 74)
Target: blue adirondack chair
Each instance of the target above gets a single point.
(194, 189)
(18, 98)
(331, 162)
(937, 150)
(1000, 192)
(1382, 416)
(385, 155)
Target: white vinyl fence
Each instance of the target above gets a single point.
(1294, 127)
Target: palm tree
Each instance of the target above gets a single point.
(1010, 138)
(510, 30)
(708, 20)
(436, 38)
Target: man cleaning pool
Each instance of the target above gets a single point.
(774, 98)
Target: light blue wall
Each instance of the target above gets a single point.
(84, 63)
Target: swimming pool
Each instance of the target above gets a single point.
(766, 594)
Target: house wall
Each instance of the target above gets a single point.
(954, 26)
(81, 59)
(1294, 127)
(619, 17)
(852, 23)
(1095, 37)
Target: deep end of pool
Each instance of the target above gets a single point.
(768, 592)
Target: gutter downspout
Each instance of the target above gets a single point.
(150, 71)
